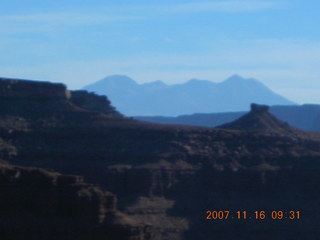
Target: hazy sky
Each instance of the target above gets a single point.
(78, 42)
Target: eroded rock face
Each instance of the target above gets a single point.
(41, 204)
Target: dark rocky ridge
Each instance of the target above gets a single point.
(25, 89)
(22, 98)
(170, 175)
(93, 102)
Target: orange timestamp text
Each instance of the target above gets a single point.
(254, 215)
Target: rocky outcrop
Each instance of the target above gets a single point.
(259, 119)
(43, 204)
(93, 102)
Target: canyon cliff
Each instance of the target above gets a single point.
(165, 176)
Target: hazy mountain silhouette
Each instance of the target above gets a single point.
(157, 98)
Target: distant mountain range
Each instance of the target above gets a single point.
(195, 96)
(306, 117)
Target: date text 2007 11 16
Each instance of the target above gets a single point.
(255, 215)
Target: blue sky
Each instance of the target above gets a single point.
(79, 42)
